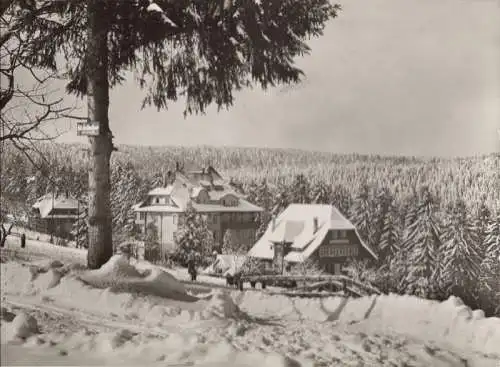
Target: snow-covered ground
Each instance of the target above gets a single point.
(97, 323)
(33, 235)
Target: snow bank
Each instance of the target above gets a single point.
(157, 298)
(221, 305)
(450, 321)
(119, 275)
(447, 322)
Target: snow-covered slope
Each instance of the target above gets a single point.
(249, 327)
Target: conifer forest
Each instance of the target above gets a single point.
(434, 222)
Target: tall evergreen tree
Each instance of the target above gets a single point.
(390, 237)
(321, 193)
(423, 244)
(483, 220)
(264, 196)
(361, 213)
(461, 256)
(281, 199)
(193, 235)
(383, 201)
(491, 262)
(300, 190)
(342, 199)
(196, 49)
(251, 192)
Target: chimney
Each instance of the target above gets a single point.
(315, 224)
(211, 179)
(273, 223)
(170, 178)
(165, 180)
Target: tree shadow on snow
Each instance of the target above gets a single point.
(335, 314)
(370, 309)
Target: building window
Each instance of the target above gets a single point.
(337, 269)
(142, 215)
(157, 200)
(322, 252)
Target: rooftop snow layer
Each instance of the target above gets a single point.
(296, 225)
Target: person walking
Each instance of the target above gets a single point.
(192, 266)
(23, 240)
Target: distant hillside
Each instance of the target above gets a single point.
(471, 179)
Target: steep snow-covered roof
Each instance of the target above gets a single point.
(183, 189)
(287, 230)
(46, 203)
(295, 225)
(161, 191)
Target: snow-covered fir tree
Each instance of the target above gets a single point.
(422, 245)
(281, 199)
(251, 192)
(321, 193)
(461, 255)
(491, 262)
(483, 220)
(383, 200)
(262, 220)
(409, 213)
(229, 244)
(341, 199)
(193, 235)
(361, 213)
(389, 243)
(264, 196)
(300, 190)
(125, 193)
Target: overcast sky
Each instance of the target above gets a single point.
(409, 77)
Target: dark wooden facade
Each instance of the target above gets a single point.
(337, 248)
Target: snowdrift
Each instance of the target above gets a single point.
(448, 322)
(120, 276)
(22, 344)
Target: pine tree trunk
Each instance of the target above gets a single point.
(101, 146)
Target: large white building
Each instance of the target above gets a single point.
(209, 195)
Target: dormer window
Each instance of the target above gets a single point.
(229, 200)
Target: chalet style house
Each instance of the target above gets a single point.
(222, 205)
(310, 231)
(54, 214)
